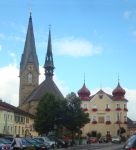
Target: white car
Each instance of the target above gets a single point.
(116, 139)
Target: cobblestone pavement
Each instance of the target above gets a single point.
(102, 146)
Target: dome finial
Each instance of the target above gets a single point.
(84, 77)
(118, 77)
(30, 8)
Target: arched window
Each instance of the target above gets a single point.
(29, 77)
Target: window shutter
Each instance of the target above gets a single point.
(24, 119)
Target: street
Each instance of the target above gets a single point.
(102, 146)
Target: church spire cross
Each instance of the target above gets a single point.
(30, 8)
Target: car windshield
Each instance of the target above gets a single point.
(37, 140)
(23, 140)
(5, 141)
(47, 139)
(130, 140)
(31, 140)
(115, 137)
(0, 143)
(102, 137)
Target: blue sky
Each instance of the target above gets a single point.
(95, 37)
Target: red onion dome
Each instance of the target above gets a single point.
(84, 93)
(118, 93)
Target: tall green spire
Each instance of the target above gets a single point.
(49, 65)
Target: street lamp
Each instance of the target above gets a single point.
(55, 127)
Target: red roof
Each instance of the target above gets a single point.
(118, 92)
(100, 91)
(5, 108)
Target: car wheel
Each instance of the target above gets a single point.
(59, 146)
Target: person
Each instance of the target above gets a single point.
(18, 144)
(74, 142)
(66, 140)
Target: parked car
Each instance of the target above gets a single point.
(37, 145)
(5, 141)
(130, 143)
(4, 147)
(103, 139)
(25, 144)
(45, 139)
(59, 142)
(47, 145)
(116, 139)
(93, 139)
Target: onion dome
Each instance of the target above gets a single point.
(118, 93)
(84, 93)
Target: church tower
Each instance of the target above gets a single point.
(49, 65)
(29, 66)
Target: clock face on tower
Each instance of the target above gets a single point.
(30, 67)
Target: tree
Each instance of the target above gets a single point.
(76, 118)
(89, 134)
(48, 113)
(122, 130)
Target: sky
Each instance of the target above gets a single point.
(92, 37)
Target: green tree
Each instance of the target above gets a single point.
(89, 134)
(76, 118)
(99, 134)
(122, 131)
(48, 113)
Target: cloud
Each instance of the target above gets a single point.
(130, 96)
(0, 47)
(127, 14)
(14, 56)
(75, 47)
(134, 32)
(9, 84)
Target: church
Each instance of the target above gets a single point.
(29, 90)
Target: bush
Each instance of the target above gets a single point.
(88, 134)
(31, 148)
(99, 135)
(123, 138)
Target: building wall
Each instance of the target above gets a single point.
(10, 122)
(24, 128)
(27, 87)
(101, 106)
(130, 132)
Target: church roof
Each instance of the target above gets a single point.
(16, 110)
(47, 85)
(29, 55)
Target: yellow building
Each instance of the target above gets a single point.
(23, 121)
(103, 110)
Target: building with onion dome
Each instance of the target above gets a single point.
(103, 109)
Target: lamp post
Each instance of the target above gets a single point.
(55, 127)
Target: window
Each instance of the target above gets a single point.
(8, 129)
(4, 128)
(19, 130)
(27, 120)
(101, 119)
(8, 117)
(125, 118)
(30, 77)
(131, 132)
(107, 118)
(94, 118)
(11, 129)
(107, 105)
(15, 129)
(94, 106)
(4, 116)
(85, 105)
(108, 132)
(18, 118)
(125, 106)
(22, 119)
(22, 130)
(118, 105)
(11, 117)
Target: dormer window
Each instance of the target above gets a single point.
(118, 105)
(85, 105)
(29, 77)
(125, 106)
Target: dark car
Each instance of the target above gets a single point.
(130, 143)
(5, 141)
(37, 145)
(47, 145)
(103, 139)
(59, 142)
(25, 144)
(4, 147)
